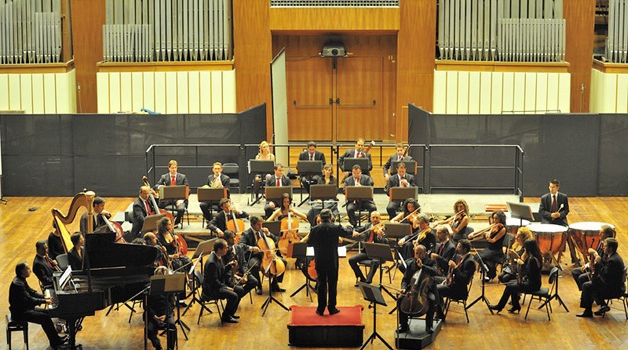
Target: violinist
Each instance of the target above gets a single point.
(427, 266)
(409, 212)
(460, 220)
(423, 235)
(372, 232)
(160, 314)
(174, 178)
(358, 179)
(99, 212)
(399, 156)
(219, 223)
(583, 274)
(530, 280)
(235, 267)
(43, 266)
(286, 207)
(460, 272)
(216, 180)
(167, 238)
(278, 180)
(493, 255)
(324, 239)
(215, 282)
(358, 152)
(509, 271)
(401, 179)
(142, 208)
(443, 252)
(254, 255)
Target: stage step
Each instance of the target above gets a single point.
(416, 337)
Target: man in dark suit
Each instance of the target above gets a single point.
(554, 209)
(324, 239)
(218, 224)
(160, 314)
(607, 282)
(372, 232)
(99, 212)
(443, 252)
(357, 152)
(278, 179)
(174, 178)
(463, 267)
(397, 157)
(215, 282)
(311, 154)
(248, 245)
(43, 266)
(583, 274)
(23, 301)
(235, 266)
(401, 179)
(216, 180)
(427, 239)
(358, 179)
(142, 207)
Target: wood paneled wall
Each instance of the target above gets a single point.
(334, 19)
(88, 17)
(580, 17)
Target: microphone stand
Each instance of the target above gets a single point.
(483, 270)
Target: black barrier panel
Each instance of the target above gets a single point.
(613, 164)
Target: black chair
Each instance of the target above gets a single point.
(384, 268)
(233, 171)
(205, 300)
(16, 326)
(462, 301)
(62, 260)
(623, 297)
(546, 294)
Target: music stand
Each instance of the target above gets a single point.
(483, 271)
(274, 193)
(411, 166)
(380, 252)
(520, 211)
(396, 232)
(193, 291)
(170, 284)
(307, 168)
(211, 196)
(174, 192)
(348, 164)
(323, 192)
(358, 193)
(273, 227)
(204, 248)
(299, 250)
(400, 194)
(373, 295)
(150, 222)
(260, 167)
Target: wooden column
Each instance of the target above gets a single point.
(580, 18)
(88, 17)
(252, 56)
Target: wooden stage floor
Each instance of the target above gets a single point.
(20, 228)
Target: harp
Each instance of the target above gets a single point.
(82, 199)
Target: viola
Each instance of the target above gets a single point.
(272, 265)
(289, 230)
(154, 202)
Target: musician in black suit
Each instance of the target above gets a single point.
(218, 224)
(55, 246)
(463, 267)
(372, 232)
(359, 179)
(235, 265)
(160, 312)
(357, 152)
(142, 207)
(324, 239)
(583, 274)
(278, 179)
(606, 283)
(311, 154)
(253, 254)
(23, 301)
(174, 178)
(423, 235)
(427, 268)
(43, 266)
(75, 255)
(397, 157)
(401, 179)
(216, 180)
(99, 212)
(443, 252)
(554, 209)
(215, 282)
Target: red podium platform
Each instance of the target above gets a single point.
(343, 329)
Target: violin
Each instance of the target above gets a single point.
(378, 230)
(289, 230)
(154, 202)
(480, 233)
(415, 302)
(272, 265)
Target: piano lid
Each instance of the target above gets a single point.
(103, 252)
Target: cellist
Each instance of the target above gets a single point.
(427, 267)
(219, 223)
(254, 255)
(286, 207)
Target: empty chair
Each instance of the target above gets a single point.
(233, 171)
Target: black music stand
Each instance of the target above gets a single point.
(308, 167)
(483, 272)
(194, 289)
(397, 231)
(373, 295)
(411, 166)
(380, 252)
(400, 194)
(271, 298)
(299, 250)
(170, 284)
(172, 194)
(212, 196)
(273, 227)
(260, 167)
(150, 222)
(323, 192)
(274, 193)
(358, 193)
(348, 164)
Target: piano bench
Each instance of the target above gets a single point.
(16, 326)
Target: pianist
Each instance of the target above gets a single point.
(23, 301)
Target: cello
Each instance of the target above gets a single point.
(415, 301)
(289, 230)
(272, 265)
(154, 202)
(236, 225)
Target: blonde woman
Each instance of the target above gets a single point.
(264, 152)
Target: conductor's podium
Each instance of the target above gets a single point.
(307, 329)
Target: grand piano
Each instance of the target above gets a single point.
(112, 272)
